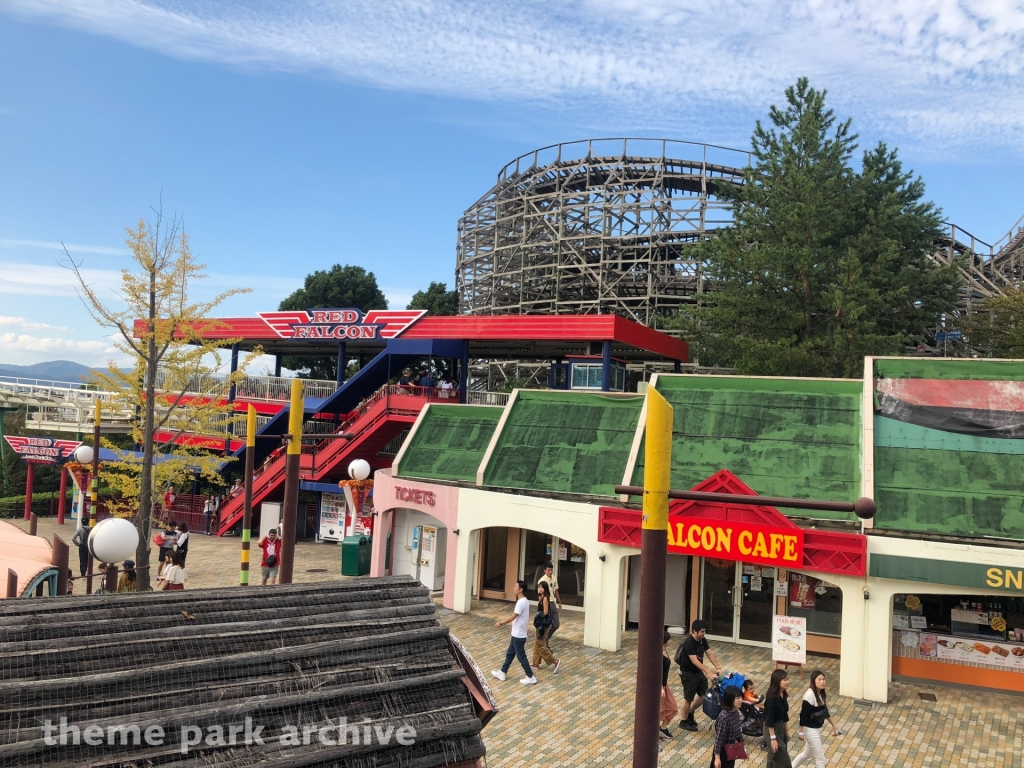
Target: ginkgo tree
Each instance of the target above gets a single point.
(173, 386)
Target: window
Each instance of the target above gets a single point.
(817, 601)
(588, 376)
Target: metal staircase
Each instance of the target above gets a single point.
(385, 414)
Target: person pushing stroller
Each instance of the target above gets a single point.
(693, 673)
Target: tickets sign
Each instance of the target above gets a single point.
(341, 324)
(750, 543)
(47, 450)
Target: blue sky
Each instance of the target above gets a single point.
(292, 136)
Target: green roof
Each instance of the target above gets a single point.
(939, 368)
(567, 442)
(783, 437)
(449, 443)
(946, 482)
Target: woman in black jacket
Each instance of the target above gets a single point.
(776, 715)
(727, 727)
(813, 714)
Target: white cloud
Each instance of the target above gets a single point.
(43, 280)
(25, 343)
(71, 247)
(28, 325)
(931, 72)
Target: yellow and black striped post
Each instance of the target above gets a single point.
(290, 513)
(250, 462)
(94, 493)
(653, 554)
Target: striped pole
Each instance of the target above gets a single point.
(291, 483)
(653, 552)
(250, 460)
(94, 493)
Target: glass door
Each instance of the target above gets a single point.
(718, 598)
(757, 586)
(738, 601)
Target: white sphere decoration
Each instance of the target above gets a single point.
(113, 540)
(359, 469)
(83, 454)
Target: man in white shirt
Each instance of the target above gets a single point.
(520, 620)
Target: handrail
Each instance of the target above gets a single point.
(515, 164)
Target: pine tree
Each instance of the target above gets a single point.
(823, 264)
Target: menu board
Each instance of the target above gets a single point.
(789, 639)
(947, 648)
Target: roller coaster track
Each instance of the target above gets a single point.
(988, 268)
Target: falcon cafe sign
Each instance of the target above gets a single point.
(341, 324)
(44, 450)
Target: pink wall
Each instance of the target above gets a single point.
(438, 501)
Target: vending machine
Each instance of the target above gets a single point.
(432, 554)
(333, 511)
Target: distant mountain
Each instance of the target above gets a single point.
(55, 370)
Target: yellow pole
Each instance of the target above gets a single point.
(94, 491)
(653, 553)
(291, 483)
(250, 463)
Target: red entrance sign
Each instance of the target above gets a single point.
(729, 540)
(44, 450)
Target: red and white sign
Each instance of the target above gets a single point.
(46, 450)
(341, 324)
(801, 591)
(728, 540)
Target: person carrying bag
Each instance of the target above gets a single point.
(729, 745)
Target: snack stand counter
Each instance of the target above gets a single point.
(962, 639)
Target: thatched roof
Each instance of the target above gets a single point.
(370, 650)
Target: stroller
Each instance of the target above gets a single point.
(752, 717)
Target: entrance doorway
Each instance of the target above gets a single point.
(738, 601)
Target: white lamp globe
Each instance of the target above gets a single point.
(113, 540)
(359, 469)
(83, 454)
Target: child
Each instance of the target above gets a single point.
(749, 694)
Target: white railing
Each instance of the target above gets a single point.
(488, 398)
(279, 388)
(267, 388)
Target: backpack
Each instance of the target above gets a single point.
(271, 561)
(712, 702)
(678, 658)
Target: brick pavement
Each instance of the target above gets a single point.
(583, 715)
(585, 712)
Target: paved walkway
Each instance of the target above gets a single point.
(583, 716)
(585, 712)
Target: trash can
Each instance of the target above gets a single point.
(355, 556)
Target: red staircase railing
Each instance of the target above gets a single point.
(392, 405)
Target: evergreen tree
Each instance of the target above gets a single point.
(823, 264)
(437, 300)
(340, 287)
